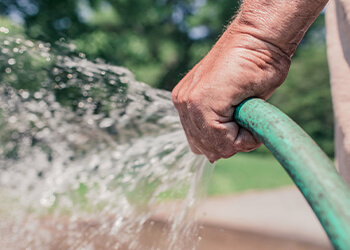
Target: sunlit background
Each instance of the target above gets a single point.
(161, 40)
(158, 41)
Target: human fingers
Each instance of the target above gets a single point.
(225, 140)
(184, 122)
(192, 145)
(213, 139)
(246, 141)
(195, 137)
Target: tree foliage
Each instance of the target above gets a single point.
(158, 40)
(161, 40)
(305, 96)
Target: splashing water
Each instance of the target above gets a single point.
(87, 153)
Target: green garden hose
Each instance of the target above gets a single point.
(308, 166)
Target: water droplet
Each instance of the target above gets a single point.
(29, 43)
(62, 85)
(11, 61)
(4, 30)
(87, 87)
(90, 121)
(47, 200)
(24, 94)
(12, 119)
(23, 48)
(5, 51)
(56, 71)
(38, 95)
(105, 123)
(81, 105)
(14, 135)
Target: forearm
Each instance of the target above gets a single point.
(282, 23)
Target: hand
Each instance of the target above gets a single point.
(239, 66)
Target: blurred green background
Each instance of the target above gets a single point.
(160, 40)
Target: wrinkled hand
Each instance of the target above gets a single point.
(239, 66)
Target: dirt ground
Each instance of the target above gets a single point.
(153, 236)
(269, 220)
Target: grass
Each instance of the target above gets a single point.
(247, 171)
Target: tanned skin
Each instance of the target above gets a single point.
(251, 59)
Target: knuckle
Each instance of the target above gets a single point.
(193, 99)
(225, 149)
(213, 157)
(257, 144)
(175, 96)
(227, 154)
(239, 145)
(253, 146)
(217, 133)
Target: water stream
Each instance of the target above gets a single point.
(87, 154)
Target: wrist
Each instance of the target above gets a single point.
(280, 23)
(264, 54)
(260, 65)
